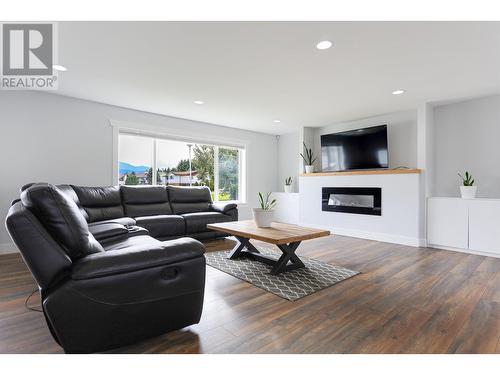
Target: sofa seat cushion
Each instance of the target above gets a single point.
(196, 222)
(162, 225)
(145, 200)
(125, 221)
(141, 253)
(131, 242)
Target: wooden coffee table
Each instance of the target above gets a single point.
(286, 236)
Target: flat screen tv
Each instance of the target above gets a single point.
(355, 149)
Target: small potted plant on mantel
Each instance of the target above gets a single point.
(467, 190)
(263, 216)
(309, 159)
(288, 185)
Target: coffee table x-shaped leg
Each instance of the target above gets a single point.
(288, 261)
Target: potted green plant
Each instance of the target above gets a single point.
(263, 216)
(467, 190)
(288, 185)
(309, 159)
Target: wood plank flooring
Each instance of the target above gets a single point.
(406, 300)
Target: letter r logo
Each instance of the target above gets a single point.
(27, 49)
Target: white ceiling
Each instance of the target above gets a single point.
(251, 73)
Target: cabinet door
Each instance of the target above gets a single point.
(484, 226)
(447, 223)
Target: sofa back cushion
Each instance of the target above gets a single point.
(45, 257)
(145, 200)
(100, 203)
(186, 200)
(68, 190)
(61, 217)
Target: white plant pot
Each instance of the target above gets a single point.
(263, 218)
(468, 192)
(309, 168)
(288, 188)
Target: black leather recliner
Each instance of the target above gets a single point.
(104, 280)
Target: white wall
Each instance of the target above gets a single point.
(401, 134)
(287, 207)
(57, 139)
(425, 157)
(289, 159)
(466, 137)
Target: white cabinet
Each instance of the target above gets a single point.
(447, 223)
(464, 224)
(484, 226)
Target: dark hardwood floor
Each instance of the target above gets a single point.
(407, 300)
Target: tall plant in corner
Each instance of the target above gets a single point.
(309, 159)
(263, 216)
(467, 190)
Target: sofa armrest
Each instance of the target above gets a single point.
(136, 258)
(107, 230)
(223, 207)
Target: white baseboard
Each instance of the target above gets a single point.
(375, 236)
(466, 251)
(8, 248)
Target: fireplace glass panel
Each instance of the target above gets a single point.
(351, 200)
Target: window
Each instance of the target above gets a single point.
(145, 160)
(228, 174)
(135, 160)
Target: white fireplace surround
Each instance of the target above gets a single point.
(400, 219)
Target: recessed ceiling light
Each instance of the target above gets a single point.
(59, 68)
(398, 92)
(199, 102)
(277, 121)
(324, 44)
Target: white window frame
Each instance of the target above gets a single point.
(121, 127)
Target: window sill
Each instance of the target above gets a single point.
(239, 203)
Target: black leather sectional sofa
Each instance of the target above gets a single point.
(115, 264)
(166, 212)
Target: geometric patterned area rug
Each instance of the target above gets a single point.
(290, 285)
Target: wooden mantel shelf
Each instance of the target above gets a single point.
(364, 172)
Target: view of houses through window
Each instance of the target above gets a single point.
(145, 160)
